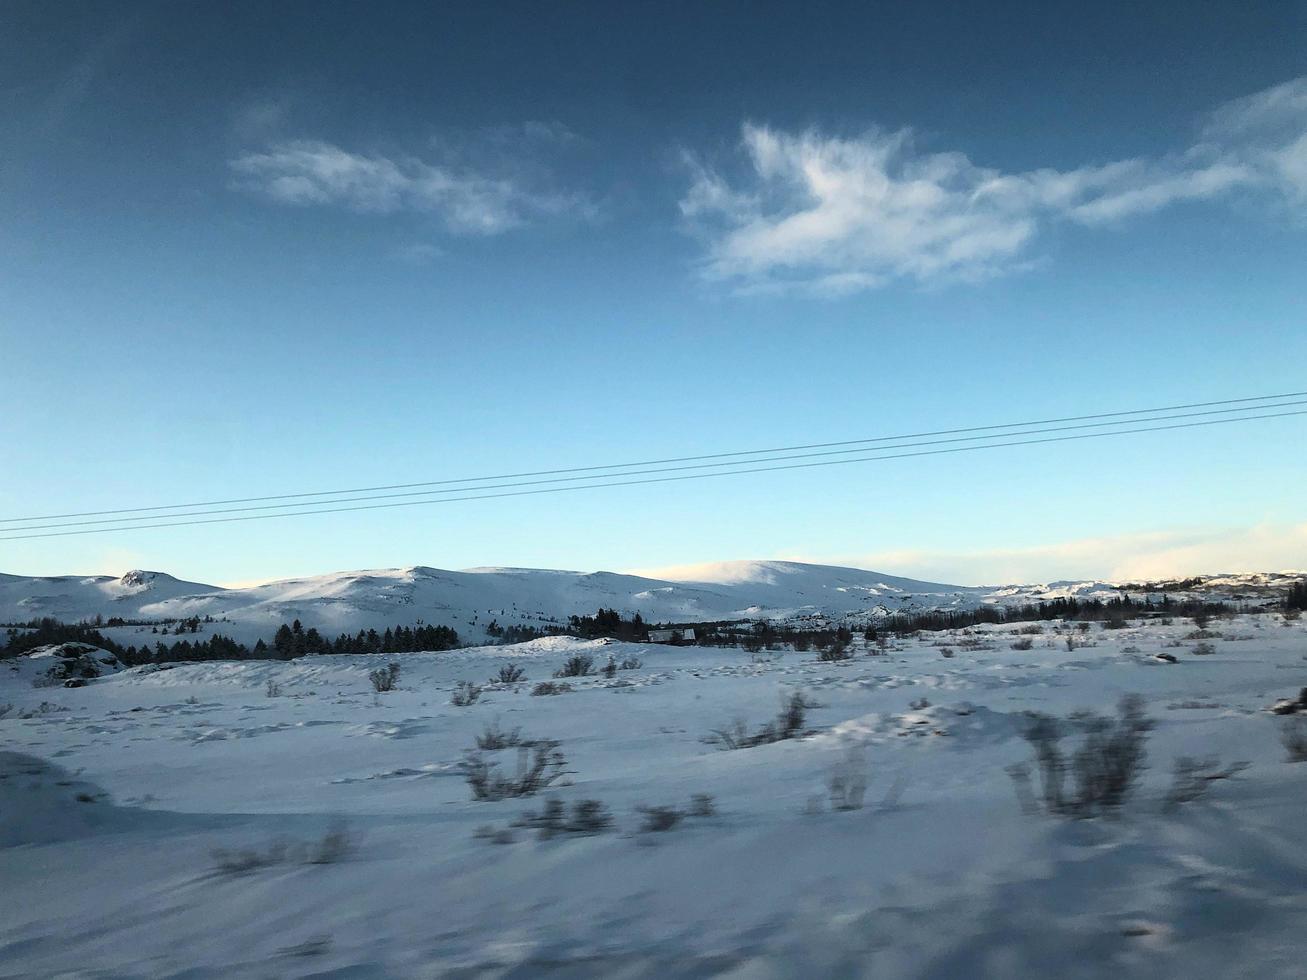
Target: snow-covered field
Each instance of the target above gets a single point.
(117, 798)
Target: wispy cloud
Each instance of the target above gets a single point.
(469, 199)
(1125, 557)
(836, 214)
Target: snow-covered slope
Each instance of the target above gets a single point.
(75, 597)
(470, 599)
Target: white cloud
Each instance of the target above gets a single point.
(1159, 555)
(835, 214)
(312, 172)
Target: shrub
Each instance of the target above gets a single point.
(272, 689)
(1203, 649)
(1293, 735)
(337, 844)
(384, 678)
(494, 835)
(1103, 771)
(1034, 629)
(835, 653)
(1194, 777)
(788, 724)
(577, 665)
(702, 805)
(588, 817)
(659, 819)
(631, 663)
(465, 693)
(495, 738)
(946, 653)
(545, 688)
(538, 767)
(610, 669)
(1025, 643)
(509, 674)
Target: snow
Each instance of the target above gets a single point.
(115, 797)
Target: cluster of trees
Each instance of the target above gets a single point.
(513, 634)
(44, 632)
(1297, 597)
(1112, 612)
(291, 641)
(294, 641)
(608, 622)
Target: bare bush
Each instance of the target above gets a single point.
(494, 738)
(835, 653)
(1025, 643)
(610, 669)
(1203, 649)
(538, 767)
(465, 693)
(631, 663)
(1194, 777)
(272, 689)
(946, 652)
(788, 724)
(509, 674)
(336, 845)
(659, 819)
(702, 805)
(588, 817)
(545, 688)
(384, 678)
(577, 665)
(1101, 773)
(1034, 629)
(1293, 736)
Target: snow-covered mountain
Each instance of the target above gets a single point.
(471, 599)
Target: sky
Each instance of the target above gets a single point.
(257, 248)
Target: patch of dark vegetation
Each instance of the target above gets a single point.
(1293, 736)
(577, 665)
(538, 768)
(385, 678)
(788, 724)
(587, 818)
(509, 674)
(336, 845)
(1194, 777)
(547, 688)
(1095, 779)
(494, 738)
(659, 819)
(464, 694)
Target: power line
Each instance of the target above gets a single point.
(652, 462)
(664, 479)
(666, 469)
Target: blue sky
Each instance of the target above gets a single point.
(258, 248)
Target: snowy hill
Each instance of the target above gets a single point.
(471, 599)
(75, 597)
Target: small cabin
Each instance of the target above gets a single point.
(671, 636)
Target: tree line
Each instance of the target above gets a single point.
(291, 641)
